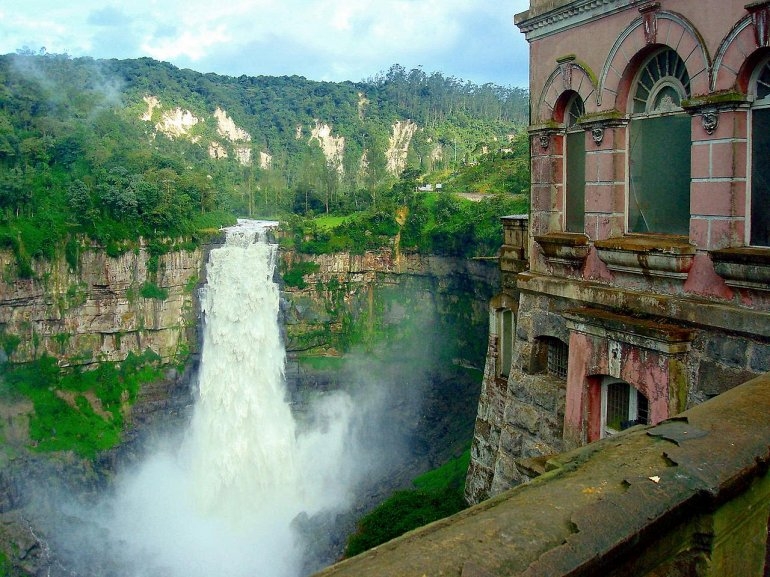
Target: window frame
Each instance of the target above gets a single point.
(633, 412)
(761, 105)
(649, 109)
(550, 356)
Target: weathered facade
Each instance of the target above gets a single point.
(647, 287)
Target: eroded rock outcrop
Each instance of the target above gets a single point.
(332, 146)
(105, 309)
(398, 146)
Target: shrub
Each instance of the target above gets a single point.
(295, 276)
(402, 512)
(150, 290)
(9, 342)
(439, 494)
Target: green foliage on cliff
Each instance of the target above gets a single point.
(295, 276)
(77, 409)
(8, 342)
(449, 475)
(435, 223)
(149, 290)
(368, 230)
(503, 169)
(439, 494)
(448, 225)
(6, 567)
(80, 152)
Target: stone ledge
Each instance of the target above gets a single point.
(564, 247)
(664, 256)
(677, 308)
(645, 332)
(690, 492)
(743, 267)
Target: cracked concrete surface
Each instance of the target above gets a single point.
(650, 501)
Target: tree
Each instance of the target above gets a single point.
(80, 203)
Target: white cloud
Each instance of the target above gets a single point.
(192, 44)
(320, 39)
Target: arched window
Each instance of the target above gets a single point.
(760, 156)
(575, 193)
(659, 147)
(622, 407)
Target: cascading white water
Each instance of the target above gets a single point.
(243, 441)
(223, 503)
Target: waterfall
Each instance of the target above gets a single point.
(226, 501)
(243, 438)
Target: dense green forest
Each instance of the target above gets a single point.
(86, 150)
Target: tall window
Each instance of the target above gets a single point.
(660, 142)
(622, 407)
(760, 157)
(506, 342)
(576, 167)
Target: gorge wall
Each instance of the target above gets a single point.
(411, 328)
(102, 308)
(414, 326)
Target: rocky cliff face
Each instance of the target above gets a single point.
(406, 334)
(101, 311)
(415, 326)
(413, 329)
(378, 292)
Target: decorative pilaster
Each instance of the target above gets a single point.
(760, 19)
(650, 17)
(565, 66)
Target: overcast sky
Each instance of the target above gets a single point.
(332, 40)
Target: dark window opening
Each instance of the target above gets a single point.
(506, 342)
(659, 194)
(550, 356)
(575, 190)
(617, 406)
(623, 406)
(660, 148)
(760, 160)
(558, 354)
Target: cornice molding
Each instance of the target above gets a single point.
(569, 16)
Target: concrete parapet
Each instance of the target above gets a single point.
(689, 496)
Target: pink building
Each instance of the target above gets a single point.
(648, 283)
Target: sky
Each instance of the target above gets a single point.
(333, 40)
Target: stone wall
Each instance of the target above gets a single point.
(693, 352)
(97, 312)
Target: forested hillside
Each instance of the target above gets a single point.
(120, 148)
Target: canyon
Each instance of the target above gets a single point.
(410, 327)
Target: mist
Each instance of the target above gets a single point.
(252, 486)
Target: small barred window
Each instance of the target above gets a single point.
(558, 353)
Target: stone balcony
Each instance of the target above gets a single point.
(689, 496)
